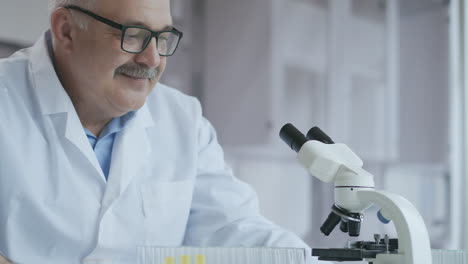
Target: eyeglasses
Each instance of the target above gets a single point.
(135, 39)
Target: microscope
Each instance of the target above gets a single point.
(354, 193)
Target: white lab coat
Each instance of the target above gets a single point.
(168, 183)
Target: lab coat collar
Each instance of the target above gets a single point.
(53, 99)
(51, 95)
(130, 147)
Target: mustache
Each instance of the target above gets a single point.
(137, 71)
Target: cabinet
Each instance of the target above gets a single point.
(309, 62)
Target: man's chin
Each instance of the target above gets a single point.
(127, 99)
(129, 106)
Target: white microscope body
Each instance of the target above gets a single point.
(354, 193)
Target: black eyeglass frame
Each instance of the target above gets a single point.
(124, 28)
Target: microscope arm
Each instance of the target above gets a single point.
(413, 239)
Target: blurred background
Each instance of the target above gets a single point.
(385, 77)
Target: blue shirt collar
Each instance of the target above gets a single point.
(114, 126)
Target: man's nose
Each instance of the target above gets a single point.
(150, 56)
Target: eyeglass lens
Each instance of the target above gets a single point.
(136, 39)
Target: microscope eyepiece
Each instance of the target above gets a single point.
(293, 137)
(316, 133)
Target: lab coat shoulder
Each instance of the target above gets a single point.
(224, 210)
(166, 101)
(174, 140)
(195, 134)
(15, 71)
(187, 112)
(16, 97)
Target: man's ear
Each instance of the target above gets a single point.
(62, 26)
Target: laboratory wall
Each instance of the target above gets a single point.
(23, 21)
(373, 74)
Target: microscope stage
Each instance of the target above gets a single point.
(358, 251)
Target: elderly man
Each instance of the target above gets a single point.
(104, 158)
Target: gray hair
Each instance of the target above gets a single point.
(87, 4)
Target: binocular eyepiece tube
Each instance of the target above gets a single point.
(295, 139)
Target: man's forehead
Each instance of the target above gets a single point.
(154, 14)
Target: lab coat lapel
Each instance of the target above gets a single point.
(131, 151)
(75, 133)
(131, 147)
(53, 99)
